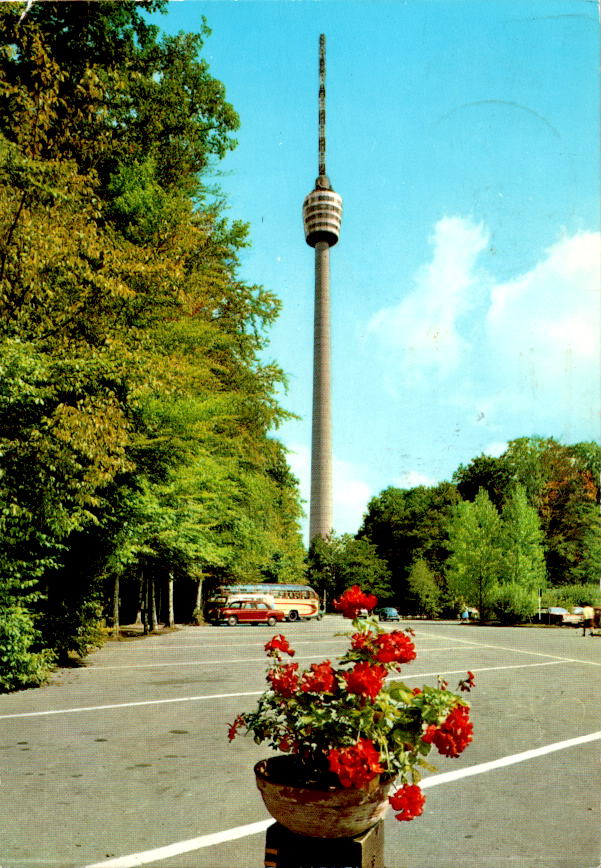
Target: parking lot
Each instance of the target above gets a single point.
(125, 761)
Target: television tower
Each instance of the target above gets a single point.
(322, 214)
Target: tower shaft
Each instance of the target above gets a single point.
(320, 516)
(322, 215)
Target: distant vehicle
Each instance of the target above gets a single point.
(297, 602)
(554, 614)
(388, 613)
(248, 612)
(559, 615)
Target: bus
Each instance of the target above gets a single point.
(297, 602)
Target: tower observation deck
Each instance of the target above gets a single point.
(322, 215)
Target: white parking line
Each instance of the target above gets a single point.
(230, 662)
(513, 650)
(176, 663)
(134, 860)
(129, 704)
(511, 760)
(476, 670)
(255, 692)
(218, 646)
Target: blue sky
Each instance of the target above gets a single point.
(463, 136)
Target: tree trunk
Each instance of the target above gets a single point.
(198, 612)
(116, 626)
(140, 601)
(171, 614)
(145, 601)
(152, 608)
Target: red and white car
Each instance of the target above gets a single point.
(248, 612)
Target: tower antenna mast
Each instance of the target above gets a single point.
(322, 215)
(322, 106)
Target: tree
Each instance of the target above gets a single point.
(424, 589)
(335, 563)
(562, 482)
(522, 544)
(136, 415)
(491, 474)
(475, 562)
(407, 525)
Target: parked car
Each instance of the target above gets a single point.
(559, 615)
(248, 612)
(554, 614)
(388, 613)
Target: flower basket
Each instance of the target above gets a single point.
(347, 732)
(310, 809)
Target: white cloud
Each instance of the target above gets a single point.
(524, 354)
(543, 327)
(413, 479)
(423, 326)
(495, 449)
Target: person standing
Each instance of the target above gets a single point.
(588, 616)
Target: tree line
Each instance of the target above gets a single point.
(137, 413)
(505, 535)
(138, 456)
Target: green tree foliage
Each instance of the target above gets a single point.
(523, 571)
(522, 543)
(335, 563)
(562, 484)
(497, 562)
(20, 664)
(512, 602)
(475, 563)
(572, 595)
(409, 525)
(136, 415)
(492, 474)
(424, 588)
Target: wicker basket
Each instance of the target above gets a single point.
(335, 812)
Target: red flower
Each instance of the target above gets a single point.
(429, 733)
(277, 644)
(453, 735)
(468, 683)
(321, 679)
(408, 801)
(365, 679)
(286, 745)
(394, 647)
(353, 600)
(284, 680)
(233, 728)
(361, 641)
(356, 765)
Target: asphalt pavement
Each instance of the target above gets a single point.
(125, 761)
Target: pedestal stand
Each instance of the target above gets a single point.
(284, 849)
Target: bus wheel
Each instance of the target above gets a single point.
(272, 621)
(293, 615)
(232, 620)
